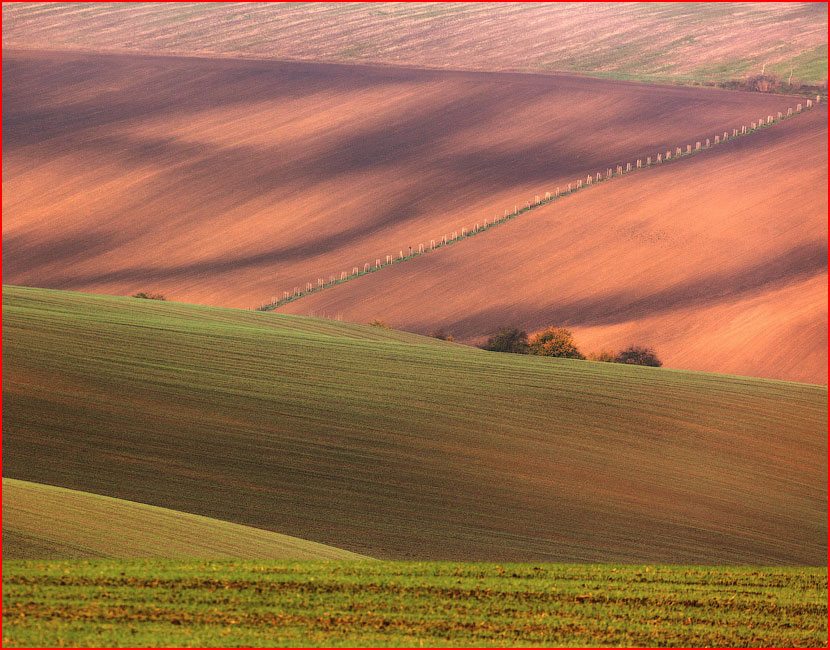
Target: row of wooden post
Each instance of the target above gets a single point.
(548, 197)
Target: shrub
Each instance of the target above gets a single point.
(607, 356)
(377, 322)
(762, 83)
(508, 339)
(442, 335)
(555, 342)
(149, 295)
(638, 356)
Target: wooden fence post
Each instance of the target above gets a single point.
(798, 108)
(697, 145)
(569, 188)
(752, 126)
(708, 143)
(377, 263)
(463, 232)
(538, 200)
(688, 148)
(648, 161)
(366, 267)
(717, 139)
(547, 196)
(639, 163)
(660, 157)
(789, 111)
(678, 151)
(432, 244)
(355, 270)
(627, 167)
(420, 248)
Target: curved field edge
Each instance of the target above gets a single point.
(44, 521)
(153, 603)
(399, 446)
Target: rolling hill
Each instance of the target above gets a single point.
(399, 446)
(225, 182)
(719, 261)
(47, 522)
(678, 42)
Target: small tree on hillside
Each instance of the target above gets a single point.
(508, 339)
(763, 83)
(377, 322)
(555, 342)
(603, 355)
(638, 356)
(149, 295)
(442, 335)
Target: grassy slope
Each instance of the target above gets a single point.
(399, 446)
(106, 603)
(43, 521)
(656, 41)
(719, 261)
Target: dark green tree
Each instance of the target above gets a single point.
(638, 356)
(508, 339)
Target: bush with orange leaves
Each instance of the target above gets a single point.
(554, 342)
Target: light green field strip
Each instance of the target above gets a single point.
(154, 603)
(43, 521)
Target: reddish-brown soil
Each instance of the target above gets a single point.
(226, 182)
(718, 261)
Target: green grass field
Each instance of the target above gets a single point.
(398, 446)
(43, 521)
(175, 603)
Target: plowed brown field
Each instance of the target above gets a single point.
(225, 182)
(719, 261)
